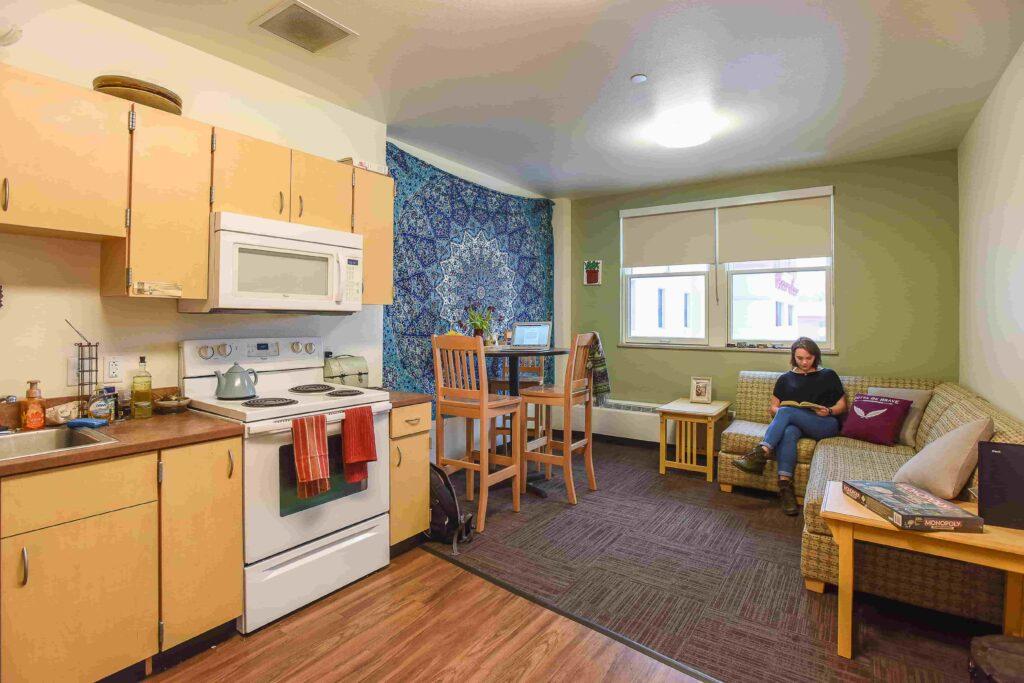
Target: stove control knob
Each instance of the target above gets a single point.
(310, 347)
(296, 347)
(206, 352)
(224, 349)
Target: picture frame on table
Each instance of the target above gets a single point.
(700, 390)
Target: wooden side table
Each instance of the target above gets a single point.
(689, 417)
(997, 547)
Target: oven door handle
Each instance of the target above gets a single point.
(285, 424)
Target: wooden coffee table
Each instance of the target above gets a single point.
(689, 417)
(997, 547)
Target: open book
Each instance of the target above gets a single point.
(802, 404)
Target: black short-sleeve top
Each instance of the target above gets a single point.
(822, 387)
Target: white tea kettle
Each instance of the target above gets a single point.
(236, 383)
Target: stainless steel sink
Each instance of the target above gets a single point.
(52, 440)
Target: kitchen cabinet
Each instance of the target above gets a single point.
(321, 192)
(79, 570)
(373, 217)
(251, 176)
(64, 158)
(410, 471)
(201, 555)
(166, 252)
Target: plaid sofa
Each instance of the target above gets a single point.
(946, 585)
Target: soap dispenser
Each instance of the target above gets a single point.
(33, 410)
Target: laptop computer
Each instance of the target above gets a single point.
(529, 336)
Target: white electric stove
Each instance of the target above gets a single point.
(296, 550)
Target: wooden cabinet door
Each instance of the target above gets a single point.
(63, 158)
(88, 605)
(169, 237)
(321, 192)
(410, 486)
(373, 217)
(251, 176)
(200, 538)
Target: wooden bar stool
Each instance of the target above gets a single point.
(531, 374)
(460, 375)
(575, 390)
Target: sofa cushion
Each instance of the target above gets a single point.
(841, 458)
(919, 401)
(754, 395)
(944, 466)
(741, 436)
(877, 419)
(945, 395)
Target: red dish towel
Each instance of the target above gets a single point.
(357, 443)
(312, 468)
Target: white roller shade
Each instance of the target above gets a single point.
(669, 239)
(793, 229)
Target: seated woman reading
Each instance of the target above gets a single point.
(807, 382)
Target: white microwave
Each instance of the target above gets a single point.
(259, 264)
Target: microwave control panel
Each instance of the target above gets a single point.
(353, 280)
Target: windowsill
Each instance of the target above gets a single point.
(695, 347)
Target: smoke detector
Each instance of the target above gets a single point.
(301, 25)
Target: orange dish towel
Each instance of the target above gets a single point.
(312, 468)
(357, 443)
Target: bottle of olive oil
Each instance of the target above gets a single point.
(142, 392)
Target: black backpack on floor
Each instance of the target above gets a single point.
(447, 522)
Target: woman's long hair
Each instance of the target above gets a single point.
(808, 345)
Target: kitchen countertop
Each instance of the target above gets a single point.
(400, 399)
(133, 436)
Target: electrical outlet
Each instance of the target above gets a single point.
(114, 368)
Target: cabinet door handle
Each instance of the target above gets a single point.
(300, 206)
(24, 561)
(280, 202)
(412, 420)
(5, 201)
(231, 463)
(398, 465)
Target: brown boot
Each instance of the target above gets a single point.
(753, 462)
(787, 496)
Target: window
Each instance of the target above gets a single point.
(741, 271)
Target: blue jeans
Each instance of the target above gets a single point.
(788, 427)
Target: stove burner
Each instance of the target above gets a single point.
(345, 392)
(311, 388)
(269, 402)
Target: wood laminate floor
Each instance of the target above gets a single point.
(423, 619)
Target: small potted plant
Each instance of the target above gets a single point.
(479, 320)
(592, 272)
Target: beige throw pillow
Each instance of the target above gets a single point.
(944, 466)
(920, 398)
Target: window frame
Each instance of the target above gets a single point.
(624, 310)
(718, 307)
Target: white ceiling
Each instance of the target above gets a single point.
(537, 92)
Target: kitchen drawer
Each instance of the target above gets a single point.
(41, 499)
(410, 420)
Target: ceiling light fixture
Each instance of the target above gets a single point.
(686, 126)
(638, 78)
(9, 35)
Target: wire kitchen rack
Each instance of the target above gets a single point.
(87, 373)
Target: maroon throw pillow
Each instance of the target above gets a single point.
(877, 419)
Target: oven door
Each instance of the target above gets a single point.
(276, 519)
(262, 272)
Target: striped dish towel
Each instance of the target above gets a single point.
(312, 469)
(358, 446)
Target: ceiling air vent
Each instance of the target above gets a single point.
(300, 24)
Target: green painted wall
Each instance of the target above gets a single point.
(895, 278)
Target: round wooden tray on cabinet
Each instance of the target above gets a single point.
(142, 92)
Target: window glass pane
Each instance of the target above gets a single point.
(667, 307)
(758, 300)
(280, 272)
(822, 262)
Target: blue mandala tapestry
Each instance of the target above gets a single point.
(458, 244)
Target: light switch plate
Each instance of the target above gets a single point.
(72, 370)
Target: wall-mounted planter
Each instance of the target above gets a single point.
(592, 272)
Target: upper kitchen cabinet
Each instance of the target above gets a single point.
(251, 176)
(64, 158)
(166, 253)
(373, 217)
(321, 192)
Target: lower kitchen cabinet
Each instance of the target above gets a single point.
(410, 476)
(78, 600)
(201, 554)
